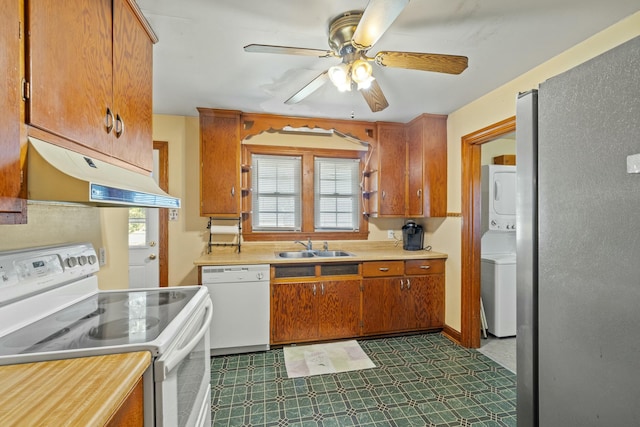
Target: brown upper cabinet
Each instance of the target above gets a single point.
(427, 166)
(405, 176)
(220, 189)
(89, 70)
(12, 205)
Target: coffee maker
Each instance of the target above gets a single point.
(412, 236)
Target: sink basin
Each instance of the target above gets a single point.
(296, 254)
(311, 254)
(332, 253)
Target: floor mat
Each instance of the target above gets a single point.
(318, 359)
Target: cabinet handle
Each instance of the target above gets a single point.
(119, 126)
(401, 284)
(233, 191)
(408, 284)
(425, 267)
(314, 289)
(322, 288)
(419, 193)
(384, 269)
(384, 194)
(108, 120)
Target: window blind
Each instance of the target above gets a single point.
(337, 194)
(276, 196)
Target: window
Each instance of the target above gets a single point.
(304, 192)
(336, 195)
(276, 193)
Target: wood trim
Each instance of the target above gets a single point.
(143, 20)
(471, 227)
(163, 220)
(451, 333)
(254, 124)
(308, 155)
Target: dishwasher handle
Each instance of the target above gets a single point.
(174, 358)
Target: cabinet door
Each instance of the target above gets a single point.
(70, 69)
(383, 306)
(374, 312)
(392, 155)
(426, 301)
(132, 88)
(339, 309)
(220, 191)
(415, 195)
(399, 302)
(293, 312)
(11, 205)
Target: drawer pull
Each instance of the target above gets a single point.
(314, 289)
(408, 284)
(384, 269)
(425, 267)
(401, 284)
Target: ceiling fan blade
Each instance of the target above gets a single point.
(376, 19)
(374, 97)
(286, 50)
(450, 64)
(311, 87)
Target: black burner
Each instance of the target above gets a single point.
(78, 315)
(111, 298)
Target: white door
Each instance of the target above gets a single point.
(144, 264)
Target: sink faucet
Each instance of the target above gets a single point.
(308, 245)
(325, 246)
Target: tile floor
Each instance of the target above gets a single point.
(419, 380)
(502, 350)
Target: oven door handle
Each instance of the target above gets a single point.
(174, 359)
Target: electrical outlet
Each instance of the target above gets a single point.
(173, 214)
(102, 256)
(390, 234)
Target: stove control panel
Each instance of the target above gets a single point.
(33, 270)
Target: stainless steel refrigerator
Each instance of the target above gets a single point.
(578, 245)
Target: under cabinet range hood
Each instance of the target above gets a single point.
(61, 175)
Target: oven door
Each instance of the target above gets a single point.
(183, 375)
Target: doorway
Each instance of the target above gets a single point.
(148, 232)
(471, 227)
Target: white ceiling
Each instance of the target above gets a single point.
(200, 62)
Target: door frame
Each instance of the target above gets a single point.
(163, 213)
(471, 227)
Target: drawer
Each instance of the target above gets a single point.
(382, 268)
(424, 266)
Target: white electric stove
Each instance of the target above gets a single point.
(51, 308)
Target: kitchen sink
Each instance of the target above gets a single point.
(311, 254)
(296, 254)
(332, 253)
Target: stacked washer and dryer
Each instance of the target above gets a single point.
(498, 249)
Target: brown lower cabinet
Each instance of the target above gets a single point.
(402, 296)
(314, 310)
(387, 297)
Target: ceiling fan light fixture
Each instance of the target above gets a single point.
(339, 76)
(361, 71)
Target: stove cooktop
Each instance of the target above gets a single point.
(104, 319)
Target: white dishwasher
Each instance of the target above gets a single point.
(240, 296)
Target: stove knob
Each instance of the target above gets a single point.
(92, 259)
(82, 260)
(71, 262)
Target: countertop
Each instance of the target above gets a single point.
(264, 253)
(85, 391)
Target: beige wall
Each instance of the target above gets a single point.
(54, 224)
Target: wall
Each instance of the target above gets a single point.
(492, 108)
(54, 224)
(497, 147)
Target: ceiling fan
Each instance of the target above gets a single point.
(351, 35)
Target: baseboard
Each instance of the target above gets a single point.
(452, 334)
